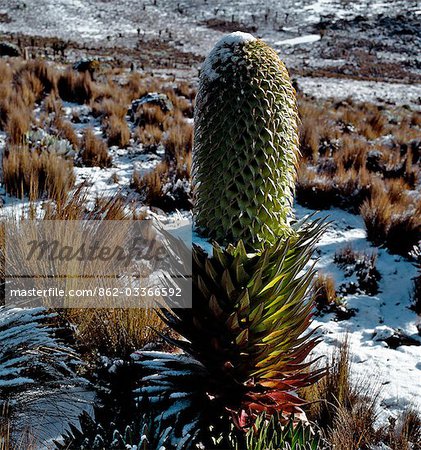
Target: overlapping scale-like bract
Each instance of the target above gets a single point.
(245, 143)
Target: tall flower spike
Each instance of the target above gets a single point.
(245, 143)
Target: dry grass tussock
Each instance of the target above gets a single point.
(167, 185)
(149, 135)
(75, 86)
(115, 332)
(64, 130)
(117, 131)
(392, 221)
(106, 331)
(346, 410)
(178, 138)
(36, 175)
(94, 150)
(24, 85)
(363, 158)
(325, 291)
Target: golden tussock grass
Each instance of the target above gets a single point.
(150, 184)
(108, 107)
(18, 125)
(352, 154)
(106, 331)
(117, 331)
(75, 86)
(394, 225)
(362, 156)
(117, 131)
(345, 188)
(373, 125)
(94, 150)
(138, 85)
(65, 130)
(149, 135)
(53, 104)
(36, 175)
(178, 138)
(345, 410)
(181, 104)
(150, 115)
(324, 291)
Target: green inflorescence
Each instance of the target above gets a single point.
(246, 144)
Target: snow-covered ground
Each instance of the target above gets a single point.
(396, 373)
(359, 39)
(362, 91)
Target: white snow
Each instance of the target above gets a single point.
(362, 91)
(397, 373)
(308, 38)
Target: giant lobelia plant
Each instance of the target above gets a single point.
(246, 338)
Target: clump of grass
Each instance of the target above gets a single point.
(117, 131)
(36, 175)
(181, 104)
(94, 150)
(42, 71)
(53, 104)
(325, 292)
(396, 226)
(373, 124)
(109, 107)
(151, 184)
(405, 432)
(178, 139)
(346, 188)
(149, 135)
(75, 86)
(167, 186)
(115, 332)
(65, 130)
(150, 115)
(345, 412)
(18, 125)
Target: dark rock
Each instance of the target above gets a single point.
(9, 49)
(399, 339)
(87, 65)
(153, 98)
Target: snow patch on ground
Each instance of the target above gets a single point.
(362, 91)
(300, 40)
(396, 373)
